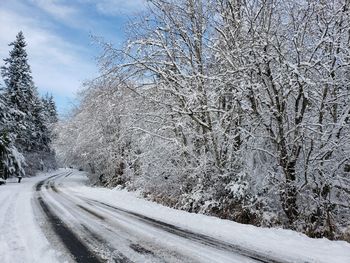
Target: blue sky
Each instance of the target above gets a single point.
(58, 32)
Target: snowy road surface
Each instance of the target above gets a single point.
(57, 218)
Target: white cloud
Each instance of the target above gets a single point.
(58, 66)
(118, 7)
(67, 13)
(56, 8)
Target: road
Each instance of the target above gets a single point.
(93, 231)
(57, 217)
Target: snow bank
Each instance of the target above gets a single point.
(286, 244)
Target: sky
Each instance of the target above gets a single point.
(62, 54)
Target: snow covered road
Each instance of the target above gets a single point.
(21, 238)
(94, 231)
(56, 218)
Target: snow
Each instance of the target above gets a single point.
(22, 238)
(285, 244)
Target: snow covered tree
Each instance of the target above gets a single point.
(20, 90)
(11, 161)
(234, 108)
(17, 76)
(40, 130)
(31, 126)
(290, 63)
(50, 110)
(22, 94)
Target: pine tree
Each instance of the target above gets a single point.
(23, 96)
(11, 161)
(50, 109)
(16, 73)
(29, 128)
(40, 132)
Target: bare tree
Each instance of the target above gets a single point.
(234, 108)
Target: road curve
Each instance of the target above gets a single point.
(94, 231)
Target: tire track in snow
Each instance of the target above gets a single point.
(93, 237)
(196, 237)
(177, 231)
(116, 256)
(39, 185)
(74, 245)
(78, 250)
(131, 243)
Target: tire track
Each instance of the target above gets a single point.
(109, 224)
(79, 251)
(156, 224)
(177, 231)
(91, 237)
(115, 255)
(196, 237)
(39, 185)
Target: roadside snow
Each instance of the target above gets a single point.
(285, 244)
(21, 239)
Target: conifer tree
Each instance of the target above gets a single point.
(11, 161)
(28, 130)
(40, 132)
(50, 109)
(16, 73)
(22, 94)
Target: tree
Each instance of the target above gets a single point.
(31, 126)
(11, 161)
(291, 68)
(22, 94)
(17, 76)
(20, 90)
(234, 108)
(50, 110)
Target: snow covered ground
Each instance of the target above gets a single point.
(21, 238)
(285, 244)
(110, 220)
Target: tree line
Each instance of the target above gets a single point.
(26, 118)
(238, 109)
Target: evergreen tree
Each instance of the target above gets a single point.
(11, 161)
(50, 109)
(16, 73)
(28, 130)
(40, 132)
(22, 94)
(49, 115)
